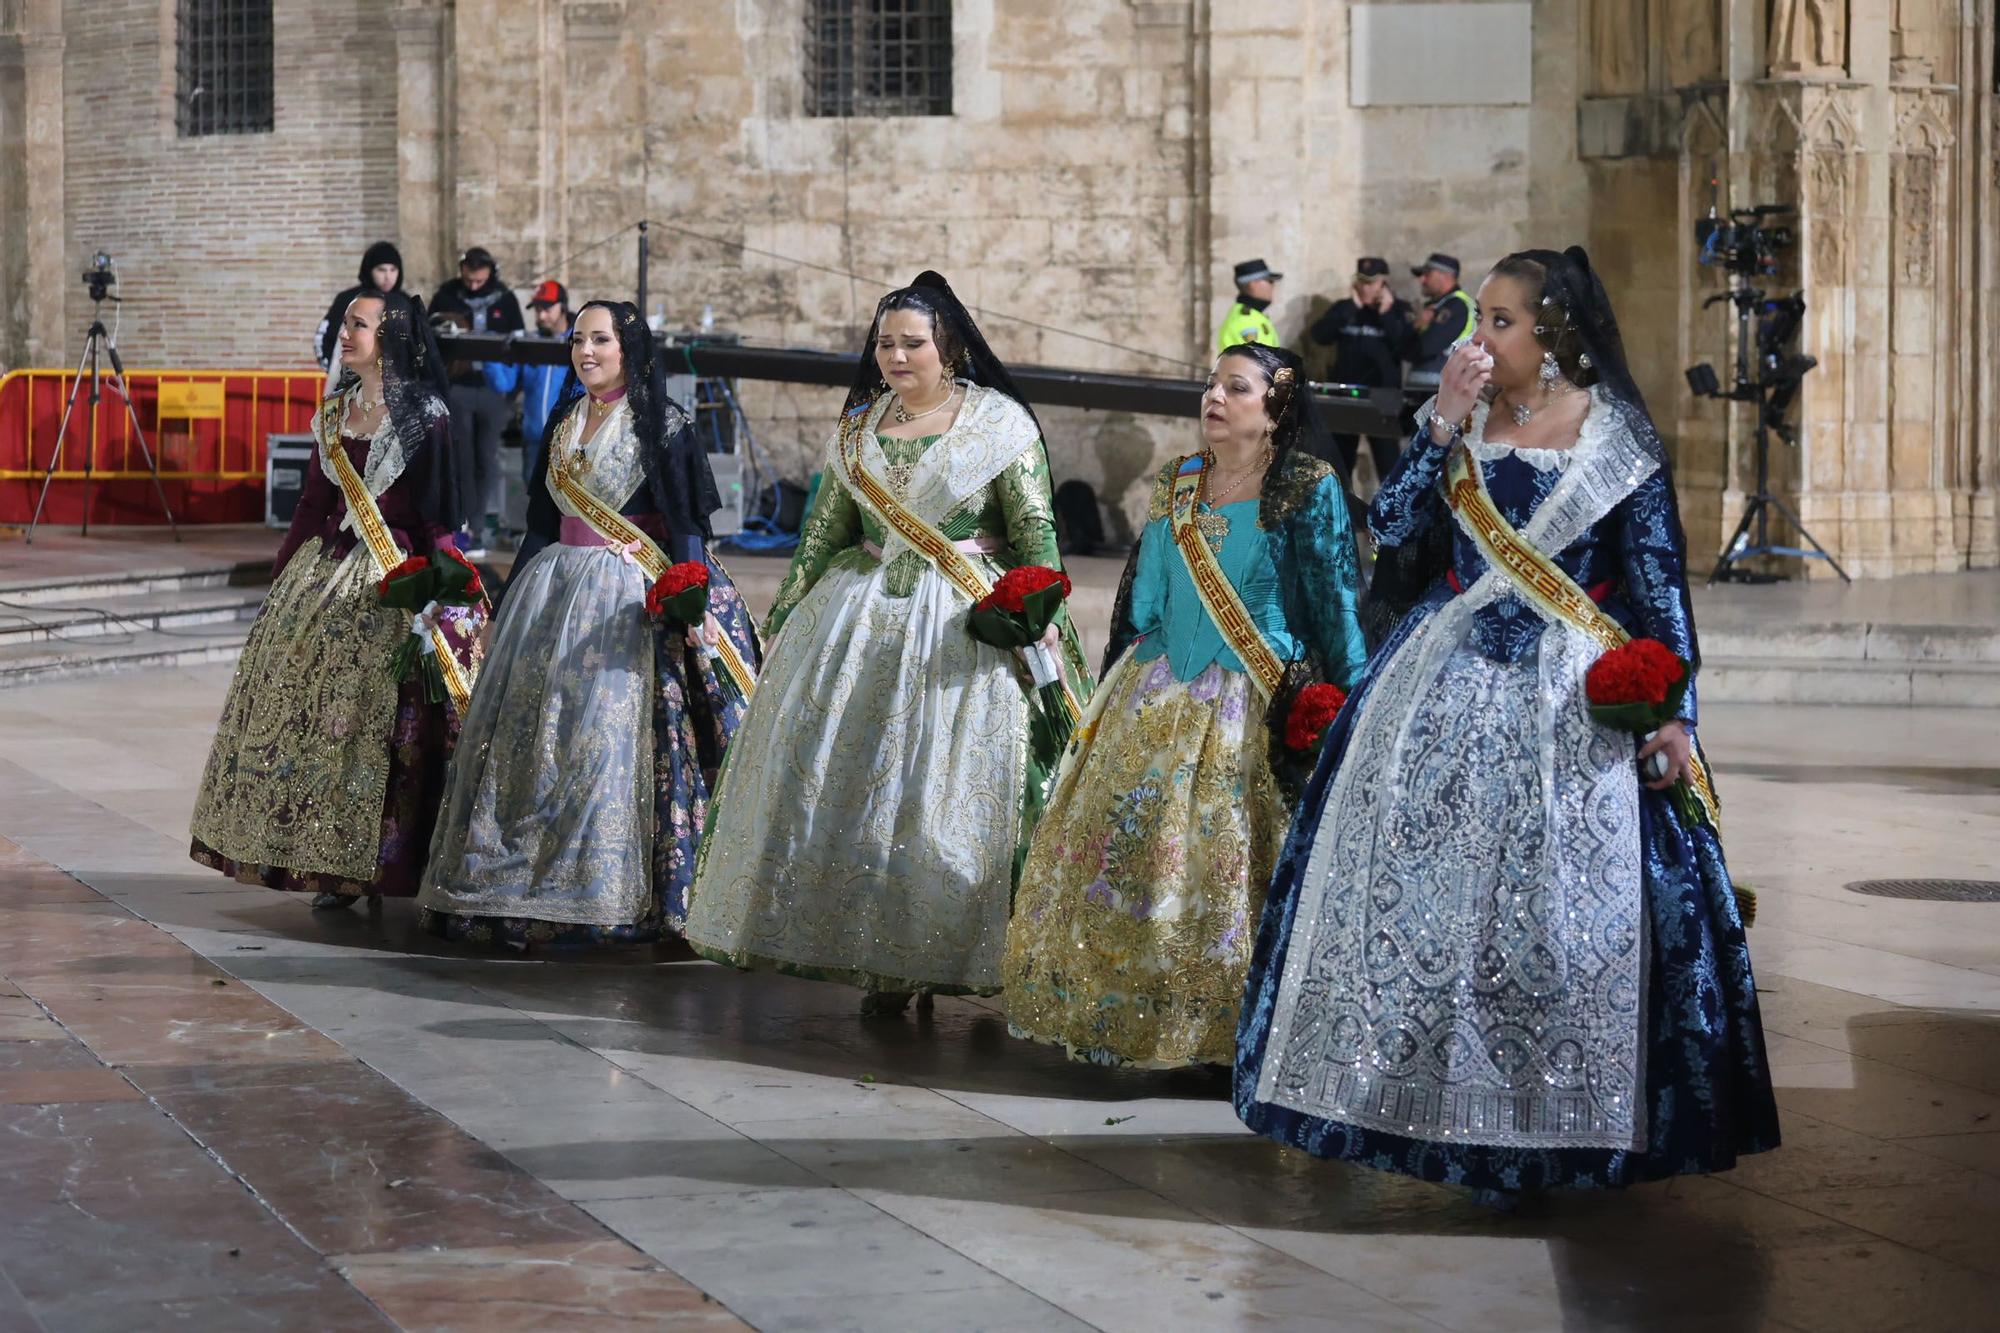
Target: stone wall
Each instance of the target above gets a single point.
(1105, 164)
(1874, 119)
(228, 247)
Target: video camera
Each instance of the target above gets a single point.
(99, 277)
(1745, 242)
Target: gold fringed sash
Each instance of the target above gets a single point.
(619, 531)
(1543, 582)
(1218, 594)
(925, 540)
(382, 547)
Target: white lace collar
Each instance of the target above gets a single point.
(1588, 435)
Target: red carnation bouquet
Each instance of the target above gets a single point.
(423, 585)
(1639, 688)
(680, 595)
(1312, 712)
(1016, 614)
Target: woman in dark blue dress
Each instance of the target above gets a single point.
(1493, 954)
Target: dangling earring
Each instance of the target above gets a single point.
(1551, 373)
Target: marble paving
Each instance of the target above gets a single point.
(224, 1109)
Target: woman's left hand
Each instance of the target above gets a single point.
(1679, 747)
(708, 634)
(1050, 638)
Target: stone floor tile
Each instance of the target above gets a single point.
(28, 1027)
(58, 1052)
(1978, 1152)
(1872, 1098)
(50, 1086)
(1128, 1259)
(603, 1284)
(764, 1246)
(1817, 1155)
(1871, 1286)
(922, 1155)
(1957, 1220)
(985, 1310)
(356, 1166)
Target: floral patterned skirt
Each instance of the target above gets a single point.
(325, 773)
(1138, 906)
(573, 814)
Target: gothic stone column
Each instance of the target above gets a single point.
(423, 82)
(33, 255)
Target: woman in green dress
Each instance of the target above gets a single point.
(1139, 904)
(872, 813)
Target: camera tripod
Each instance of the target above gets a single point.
(97, 346)
(1772, 391)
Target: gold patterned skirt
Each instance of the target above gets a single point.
(1138, 906)
(298, 775)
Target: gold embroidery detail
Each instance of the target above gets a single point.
(1218, 595)
(620, 531)
(922, 538)
(1543, 582)
(382, 546)
(1138, 907)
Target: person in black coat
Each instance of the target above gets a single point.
(381, 271)
(477, 301)
(1367, 331)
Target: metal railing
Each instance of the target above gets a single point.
(1347, 409)
(207, 428)
(221, 444)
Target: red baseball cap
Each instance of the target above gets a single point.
(549, 292)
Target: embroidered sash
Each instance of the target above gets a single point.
(925, 540)
(1218, 594)
(1543, 583)
(621, 532)
(382, 547)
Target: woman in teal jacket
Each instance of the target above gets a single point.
(1138, 904)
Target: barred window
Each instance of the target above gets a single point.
(224, 50)
(878, 57)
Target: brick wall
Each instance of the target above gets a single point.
(228, 247)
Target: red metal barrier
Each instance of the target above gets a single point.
(211, 453)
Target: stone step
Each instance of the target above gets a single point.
(1854, 643)
(1781, 679)
(95, 587)
(36, 663)
(97, 618)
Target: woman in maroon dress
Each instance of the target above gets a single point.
(326, 771)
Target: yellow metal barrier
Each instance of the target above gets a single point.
(227, 415)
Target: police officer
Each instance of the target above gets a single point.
(1448, 314)
(1367, 331)
(1246, 322)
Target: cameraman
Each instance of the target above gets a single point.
(1367, 331)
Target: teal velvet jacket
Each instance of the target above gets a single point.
(1290, 555)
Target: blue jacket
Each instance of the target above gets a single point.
(541, 392)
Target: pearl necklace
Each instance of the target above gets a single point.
(904, 416)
